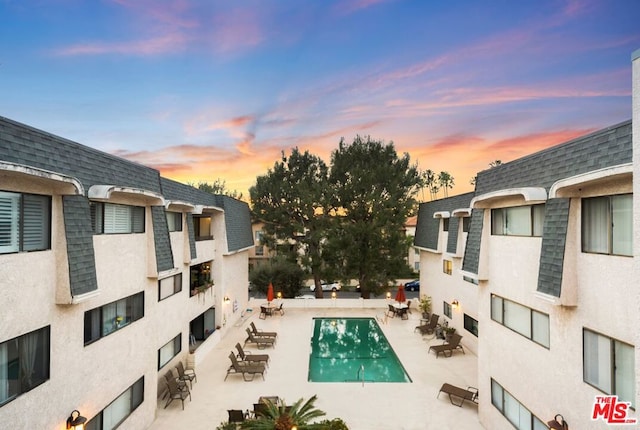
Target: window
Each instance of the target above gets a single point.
(201, 327)
(174, 221)
(416, 266)
(517, 221)
(118, 411)
(470, 279)
(447, 267)
(607, 225)
(25, 222)
(109, 218)
(24, 363)
(528, 322)
(200, 275)
(113, 316)
(446, 309)
(471, 325)
(169, 286)
(513, 410)
(445, 224)
(169, 350)
(202, 227)
(466, 222)
(609, 365)
(259, 246)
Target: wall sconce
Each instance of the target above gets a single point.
(558, 423)
(226, 299)
(455, 304)
(279, 295)
(334, 295)
(388, 295)
(76, 421)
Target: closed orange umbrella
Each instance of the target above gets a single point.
(400, 297)
(270, 292)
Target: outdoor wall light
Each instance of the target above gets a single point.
(334, 295)
(279, 294)
(388, 295)
(455, 304)
(76, 421)
(558, 423)
(227, 299)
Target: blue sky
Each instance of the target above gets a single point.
(217, 89)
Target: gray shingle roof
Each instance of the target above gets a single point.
(80, 253)
(237, 218)
(556, 221)
(471, 260)
(161, 238)
(428, 227)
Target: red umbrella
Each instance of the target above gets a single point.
(400, 297)
(270, 292)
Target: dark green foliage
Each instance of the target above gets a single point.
(281, 417)
(374, 191)
(286, 277)
(291, 200)
(334, 424)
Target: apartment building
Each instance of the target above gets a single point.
(545, 280)
(109, 274)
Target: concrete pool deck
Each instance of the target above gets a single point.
(398, 406)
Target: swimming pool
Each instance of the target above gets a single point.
(352, 350)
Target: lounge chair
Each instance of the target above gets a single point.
(184, 375)
(261, 342)
(430, 327)
(176, 392)
(279, 309)
(236, 415)
(454, 343)
(262, 333)
(471, 393)
(260, 410)
(252, 358)
(244, 368)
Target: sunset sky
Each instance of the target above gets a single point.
(207, 89)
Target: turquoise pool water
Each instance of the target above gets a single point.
(352, 350)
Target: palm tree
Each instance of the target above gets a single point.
(281, 417)
(430, 181)
(446, 181)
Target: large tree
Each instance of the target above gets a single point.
(373, 190)
(291, 200)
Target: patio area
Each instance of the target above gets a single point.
(369, 406)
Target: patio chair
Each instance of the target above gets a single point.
(261, 333)
(184, 375)
(409, 306)
(236, 415)
(252, 358)
(260, 410)
(471, 394)
(430, 327)
(450, 347)
(280, 309)
(244, 369)
(261, 342)
(175, 392)
(265, 312)
(170, 376)
(402, 313)
(392, 311)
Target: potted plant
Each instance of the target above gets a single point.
(425, 306)
(448, 331)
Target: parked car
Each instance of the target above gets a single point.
(327, 286)
(412, 286)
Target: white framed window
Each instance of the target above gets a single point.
(169, 286)
(607, 225)
(517, 221)
(514, 411)
(202, 227)
(174, 221)
(532, 324)
(169, 350)
(25, 222)
(609, 365)
(118, 410)
(446, 309)
(109, 218)
(447, 267)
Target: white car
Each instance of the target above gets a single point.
(327, 286)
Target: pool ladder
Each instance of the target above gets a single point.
(360, 374)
